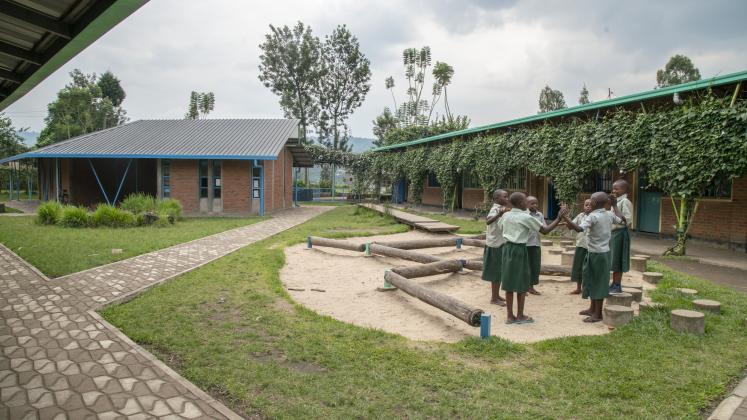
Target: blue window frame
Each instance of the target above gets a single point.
(166, 178)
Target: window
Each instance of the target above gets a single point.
(432, 180)
(216, 178)
(203, 178)
(598, 181)
(470, 180)
(517, 180)
(166, 178)
(720, 189)
(256, 178)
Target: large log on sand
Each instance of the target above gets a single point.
(430, 269)
(404, 254)
(421, 243)
(441, 301)
(336, 243)
(545, 270)
(473, 242)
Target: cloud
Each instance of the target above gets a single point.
(503, 52)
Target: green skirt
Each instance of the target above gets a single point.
(578, 264)
(515, 275)
(620, 247)
(596, 275)
(535, 264)
(491, 264)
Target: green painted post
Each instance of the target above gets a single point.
(368, 249)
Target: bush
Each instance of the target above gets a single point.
(169, 208)
(106, 215)
(48, 213)
(73, 216)
(139, 203)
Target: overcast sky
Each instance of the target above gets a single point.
(503, 52)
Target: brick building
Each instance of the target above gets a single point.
(212, 166)
(721, 217)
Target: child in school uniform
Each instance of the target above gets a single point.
(515, 273)
(581, 249)
(534, 245)
(491, 257)
(596, 269)
(620, 242)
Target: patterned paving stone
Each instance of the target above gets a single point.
(57, 361)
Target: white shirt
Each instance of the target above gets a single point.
(598, 228)
(626, 209)
(534, 236)
(517, 224)
(580, 236)
(494, 233)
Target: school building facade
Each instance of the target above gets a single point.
(212, 167)
(721, 217)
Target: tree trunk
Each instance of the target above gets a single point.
(684, 217)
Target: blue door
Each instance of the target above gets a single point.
(553, 205)
(399, 191)
(649, 205)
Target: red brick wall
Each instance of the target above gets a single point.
(432, 196)
(184, 184)
(472, 197)
(235, 191)
(723, 221)
(278, 182)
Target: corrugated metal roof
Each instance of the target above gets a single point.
(178, 139)
(623, 100)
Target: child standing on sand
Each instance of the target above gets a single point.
(581, 248)
(491, 257)
(515, 275)
(620, 242)
(534, 245)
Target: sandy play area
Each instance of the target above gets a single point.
(343, 284)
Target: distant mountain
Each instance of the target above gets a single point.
(361, 144)
(29, 137)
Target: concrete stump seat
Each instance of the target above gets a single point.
(567, 243)
(649, 306)
(652, 277)
(616, 315)
(686, 321)
(638, 264)
(633, 286)
(620, 299)
(546, 242)
(686, 291)
(708, 305)
(555, 251)
(636, 293)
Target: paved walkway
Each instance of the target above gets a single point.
(26, 206)
(60, 360)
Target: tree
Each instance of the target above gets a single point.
(679, 69)
(200, 104)
(342, 87)
(291, 65)
(111, 88)
(82, 107)
(550, 100)
(383, 126)
(443, 73)
(10, 142)
(583, 98)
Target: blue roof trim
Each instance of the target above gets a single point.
(30, 155)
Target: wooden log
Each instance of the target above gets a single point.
(430, 269)
(708, 305)
(473, 242)
(403, 253)
(336, 243)
(651, 277)
(566, 258)
(638, 264)
(480, 236)
(545, 269)
(421, 243)
(620, 299)
(617, 316)
(448, 304)
(683, 320)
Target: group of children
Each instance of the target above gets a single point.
(512, 257)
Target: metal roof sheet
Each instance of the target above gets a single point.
(593, 106)
(178, 139)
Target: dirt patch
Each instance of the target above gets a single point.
(278, 357)
(283, 305)
(350, 281)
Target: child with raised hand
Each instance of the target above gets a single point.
(596, 268)
(620, 241)
(491, 257)
(581, 249)
(534, 245)
(515, 274)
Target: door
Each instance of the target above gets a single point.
(553, 205)
(649, 205)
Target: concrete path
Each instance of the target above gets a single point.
(60, 360)
(26, 206)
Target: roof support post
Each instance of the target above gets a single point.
(121, 183)
(101, 186)
(736, 94)
(57, 192)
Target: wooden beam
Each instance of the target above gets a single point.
(34, 19)
(10, 76)
(21, 54)
(736, 94)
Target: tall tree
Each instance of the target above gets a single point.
(200, 104)
(679, 69)
(111, 88)
(342, 87)
(10, 142)
(583, 97)
(383, 125)
(442, 73)
(550, 99)
(290, 65)
(81, 107)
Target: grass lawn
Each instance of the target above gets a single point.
(57, 251)
(267, 357)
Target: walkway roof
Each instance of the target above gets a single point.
(38, 36)
(589, 110)
(237, 139)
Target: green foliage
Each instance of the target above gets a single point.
(48, 213)
(679, 69)
(170, 209)
(583, 97)
(110, 216)
(138, 203)
(10, 142)
(73, 216)
(550, 99)
(111, 88)
(200, 104)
